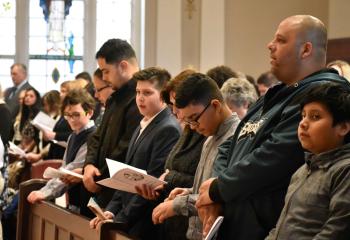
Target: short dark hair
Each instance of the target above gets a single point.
(198, 88)
(221, 73)
(116, 50)
(84, 75)
(335, 97)
(174, 83)
(77, 96)
(155, 75)
(267, 79)
(98, 73)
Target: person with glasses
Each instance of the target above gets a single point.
(103, 90)
(203, 108)
(77, 108)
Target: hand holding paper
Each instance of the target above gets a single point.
(14, 149)
(43, 122)
(125, 177)
(59, 173)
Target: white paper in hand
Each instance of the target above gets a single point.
(14, 149)
(43, 122)
(58, 173)
(125, 177)
(212, 234)
(95, 208)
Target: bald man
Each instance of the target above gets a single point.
(265, 151)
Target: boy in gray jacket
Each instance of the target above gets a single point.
(317, 204)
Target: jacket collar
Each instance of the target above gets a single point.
(327, 159)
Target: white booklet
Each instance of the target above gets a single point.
(212, 234)
(60, 143)
(14, 149)
(43, 122)
(126, 177)
(60, 172)
(95, 208)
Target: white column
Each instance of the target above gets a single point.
(212, 34)
(169, 35)
(89, 36)
(22, 31)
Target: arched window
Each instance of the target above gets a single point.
(55, 43)
(86, 27)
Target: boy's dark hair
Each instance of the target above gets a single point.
(174, 83)
(155, 75)
(336, 98)
(221, 73)
(84, 75)
(116, 50)
(198, 88)
(98, 73)
(77, 96)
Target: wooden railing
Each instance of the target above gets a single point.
(47, 221)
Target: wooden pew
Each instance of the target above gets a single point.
(47, 221)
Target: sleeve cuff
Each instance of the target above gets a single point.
(214, 192)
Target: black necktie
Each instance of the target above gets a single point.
(12, 92)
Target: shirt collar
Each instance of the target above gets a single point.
(144, 123)
(90, 124)
(21, 84)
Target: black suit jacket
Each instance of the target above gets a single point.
(149, 152)
(12, 102)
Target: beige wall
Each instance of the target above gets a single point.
(250, 25)
(339, 19)
(231, 32)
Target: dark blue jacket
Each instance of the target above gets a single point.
(149, 152)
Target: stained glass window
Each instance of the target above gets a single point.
(55, 44)
(8, 43)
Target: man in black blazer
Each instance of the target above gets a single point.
(20, 82)
(149, 147)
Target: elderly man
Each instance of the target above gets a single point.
(20, 82)
(265, 151)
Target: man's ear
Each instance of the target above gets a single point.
(123, 65)
(306, 50)
(90, 113)
(216, 103)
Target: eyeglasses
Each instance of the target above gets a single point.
(100, 89)
(73, 115)
(194, 122)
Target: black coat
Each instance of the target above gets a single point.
(112, 137)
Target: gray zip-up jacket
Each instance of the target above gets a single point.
(185, 205)
(317, 204)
